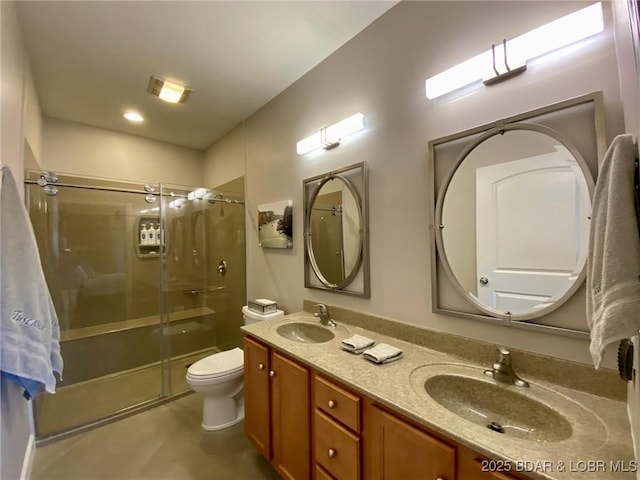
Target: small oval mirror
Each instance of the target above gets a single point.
(335, 228)
(514, 221)
(336, 243)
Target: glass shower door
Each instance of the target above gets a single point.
(106, 293)
(203, 277)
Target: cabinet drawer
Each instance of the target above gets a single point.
(336, 448)
(338, 403)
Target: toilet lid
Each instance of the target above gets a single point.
(218, 364)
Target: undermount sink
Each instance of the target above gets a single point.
(501, 409)
(305, 332)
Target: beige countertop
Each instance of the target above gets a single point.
(599, 447)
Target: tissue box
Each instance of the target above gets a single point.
(262, 305)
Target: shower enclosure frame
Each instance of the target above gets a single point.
(51, 184)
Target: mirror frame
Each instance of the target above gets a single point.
(311, 189)
(529, 121)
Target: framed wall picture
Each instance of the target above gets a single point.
(275, 224)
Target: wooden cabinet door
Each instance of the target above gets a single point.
(472, 466)
(398, 450)
(291, 418)
(257, 396)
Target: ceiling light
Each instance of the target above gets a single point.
(168, 91)
(492, 64)
(133, 117)
(329, 137)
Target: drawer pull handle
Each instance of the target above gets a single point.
(261, 366)
(441, 478)
(332, 404)
(332, 453)
(272, 373)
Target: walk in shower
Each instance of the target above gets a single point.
(145, 279)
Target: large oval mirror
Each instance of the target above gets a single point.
(335, 230)
(513, 221)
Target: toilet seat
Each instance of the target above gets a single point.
(229, 363)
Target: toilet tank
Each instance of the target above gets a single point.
(249, 316)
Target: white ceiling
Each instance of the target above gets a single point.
(91, 61)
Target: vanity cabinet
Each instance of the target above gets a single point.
(292, 411)
(399, 450)
(257, 391)
(277, 409)
(472, 466)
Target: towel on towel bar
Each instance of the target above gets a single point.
(29, 331)
(356, 344)
(382, 353)
(613, 264)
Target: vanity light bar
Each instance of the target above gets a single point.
(329, 137)
(560, 33)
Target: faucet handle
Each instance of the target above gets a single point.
(322, 307)
(505, 356)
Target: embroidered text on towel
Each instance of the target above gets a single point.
(20, 317)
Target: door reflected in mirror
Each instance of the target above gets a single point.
(516, 221)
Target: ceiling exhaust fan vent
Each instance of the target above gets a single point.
(168, 91)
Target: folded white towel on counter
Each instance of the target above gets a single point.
(356, 344)
(382, 353)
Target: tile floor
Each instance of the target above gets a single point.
(93, 399)
(165, 442)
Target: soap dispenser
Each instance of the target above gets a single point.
(144, 239)
(151, 235)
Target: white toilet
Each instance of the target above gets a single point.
(219, 377)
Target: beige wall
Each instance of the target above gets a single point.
(381, 73)
(13, 73)
(224, 160)
(69, 147)
(32, 116)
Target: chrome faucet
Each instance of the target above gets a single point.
(503, 370)
(323, 315)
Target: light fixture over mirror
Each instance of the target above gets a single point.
(493, 63)
(330, 137)
(511, 215)
(336, 231)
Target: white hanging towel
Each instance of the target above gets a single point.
(29, 330)
(613, 265)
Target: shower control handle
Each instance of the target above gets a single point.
(222, 267)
